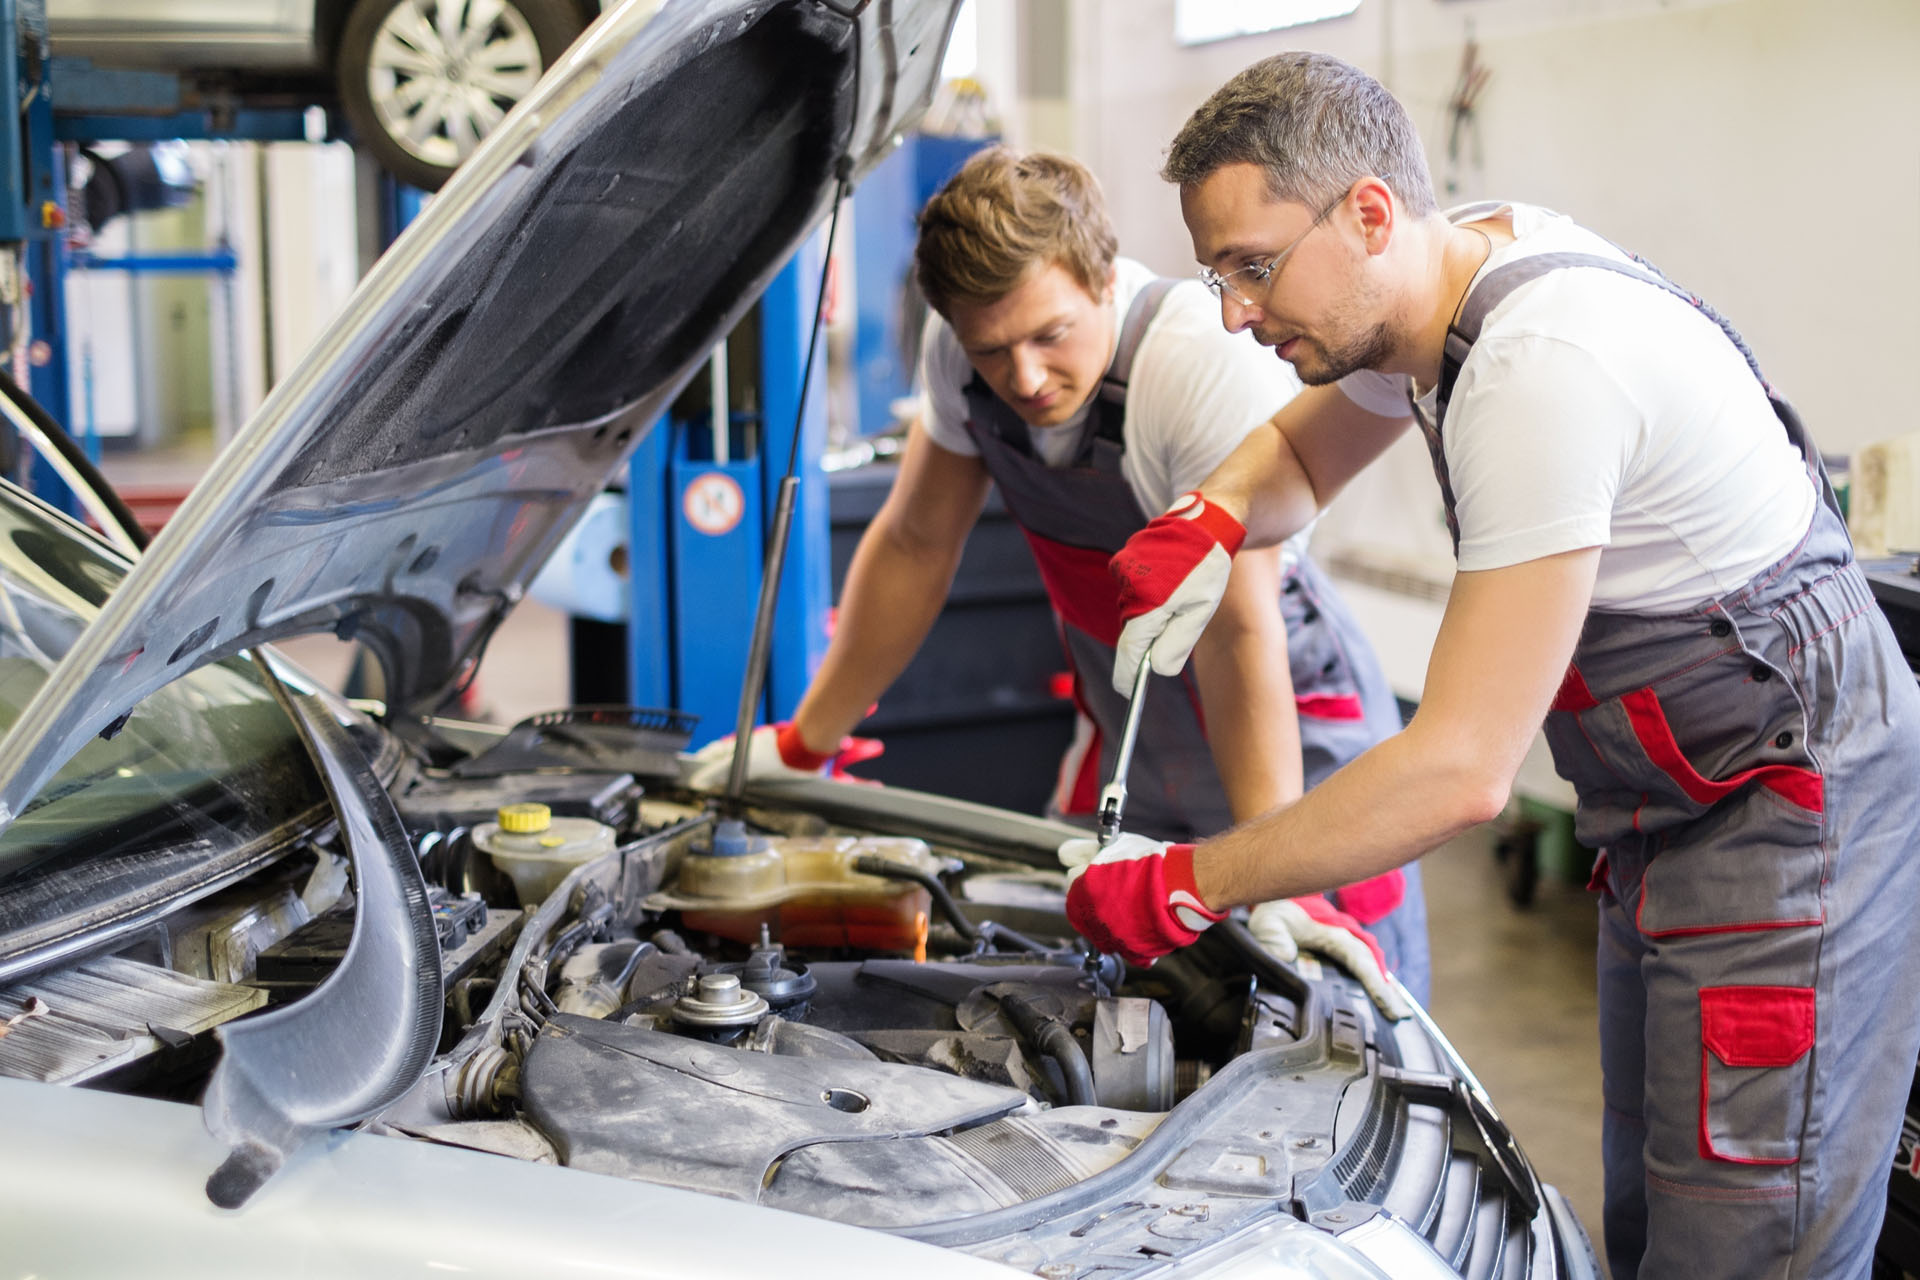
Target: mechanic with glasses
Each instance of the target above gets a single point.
(1652, 562)
(1091, 393)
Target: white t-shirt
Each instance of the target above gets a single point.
(1597, 410)
(1195, 392)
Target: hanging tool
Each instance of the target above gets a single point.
(1113, 796)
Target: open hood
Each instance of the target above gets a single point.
(506, 355)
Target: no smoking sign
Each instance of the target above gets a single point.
(713, 503)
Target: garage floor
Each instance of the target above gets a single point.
(1513, 989)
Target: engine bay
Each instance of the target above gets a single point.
(864, 1005)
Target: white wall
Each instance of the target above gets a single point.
(1763, 152)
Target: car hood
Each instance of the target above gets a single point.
(505, 356)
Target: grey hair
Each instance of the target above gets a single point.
(1315, 124)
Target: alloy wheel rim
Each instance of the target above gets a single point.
(442, 73)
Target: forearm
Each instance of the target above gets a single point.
(1395, 802)
(1240, 667)
(892, 595)
(1502, 650)
(1263, 486)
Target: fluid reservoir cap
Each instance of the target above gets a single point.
(730, 839)
(524, 819)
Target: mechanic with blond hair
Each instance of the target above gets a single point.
(1092, 392)
(1650, 560)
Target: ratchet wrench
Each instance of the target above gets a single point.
(1113, 796)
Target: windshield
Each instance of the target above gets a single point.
(206, 776)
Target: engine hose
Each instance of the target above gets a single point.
(1051, 1035)
(873, 865)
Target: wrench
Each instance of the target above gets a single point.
(1113, 796)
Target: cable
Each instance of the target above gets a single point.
(70, 453)
(755, 676)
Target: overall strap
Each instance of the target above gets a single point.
(1501, 282)
(1110, 401)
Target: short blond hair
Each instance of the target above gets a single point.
(1004, 214)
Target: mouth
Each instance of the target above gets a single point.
(1285, 350)
(1036, 404)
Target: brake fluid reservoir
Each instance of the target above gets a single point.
(536, 850)
(804, 889)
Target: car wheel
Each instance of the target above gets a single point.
(423, 81)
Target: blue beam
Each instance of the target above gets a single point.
(219, 262)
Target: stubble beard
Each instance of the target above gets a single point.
(1322, 365)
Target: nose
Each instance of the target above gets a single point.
(1235, 314)
(1029, 373)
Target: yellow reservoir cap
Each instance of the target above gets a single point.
(524, 819)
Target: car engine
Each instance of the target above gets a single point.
(851, 1002)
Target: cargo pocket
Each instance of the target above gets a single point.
(1754, 1043)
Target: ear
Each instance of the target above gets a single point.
(1379, 213)
(1113, 280)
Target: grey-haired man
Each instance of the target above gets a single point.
(1651, 561)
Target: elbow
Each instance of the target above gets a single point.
(1481, 799)
(1475, 781)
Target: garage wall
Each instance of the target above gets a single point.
(1762, 151)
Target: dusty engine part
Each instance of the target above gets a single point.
(786, 985)
(593, 981)
(1132, 1055)
(719, 1004)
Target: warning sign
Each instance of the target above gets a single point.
(713, 503)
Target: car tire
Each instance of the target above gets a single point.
(416, 101)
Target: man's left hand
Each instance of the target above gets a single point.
(1135, 896)
(1311, 923)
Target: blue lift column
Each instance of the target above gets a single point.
(699, 525)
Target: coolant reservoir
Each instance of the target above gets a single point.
(804, 889)
(536, 850)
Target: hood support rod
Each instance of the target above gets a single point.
(756, 673)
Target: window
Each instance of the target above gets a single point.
(1198, 21)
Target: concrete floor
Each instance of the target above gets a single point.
(1513, 989)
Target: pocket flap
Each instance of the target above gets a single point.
(1757, 1026)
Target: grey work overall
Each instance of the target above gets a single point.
(1746, 769)
(1075, 517)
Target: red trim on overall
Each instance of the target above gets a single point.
(1597, 882)
(1373, 900)
(1752, 1027)
(1330, 706)
(1574, 694)
(1803, 787)
(1077, 583)
(1084, 797)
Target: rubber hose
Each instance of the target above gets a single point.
(76, 457)
(877, 866)
(1053, 1037)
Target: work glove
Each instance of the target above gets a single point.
(1292, 925)
(1171, 576)
(1136, 896)
(775, 751)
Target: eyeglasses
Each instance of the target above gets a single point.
(1259, 276)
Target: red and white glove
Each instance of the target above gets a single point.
(775, 751)
(1292, 925)
(1136, 896)
(1171, 576)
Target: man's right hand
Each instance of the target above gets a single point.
(773, 751)
(1171, 576)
